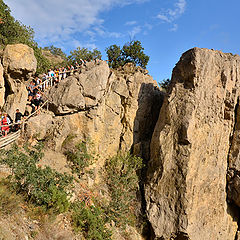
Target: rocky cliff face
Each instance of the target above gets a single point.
(114, 109)
(195, 143)
(19, 64)
(191, 147)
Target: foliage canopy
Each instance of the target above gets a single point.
(12, 31)
(130, 52)
(84, 54)
(56, 51)
(165, 84)
(41, 186)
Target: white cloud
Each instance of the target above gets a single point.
(174, 28)
(58, 20)
(101, 31)
(181, 4)
(170, 15)
(90, 46)
(163, 17)
(130, 23)
(134, 31)
(148, 26)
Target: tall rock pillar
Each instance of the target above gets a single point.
(186, 188)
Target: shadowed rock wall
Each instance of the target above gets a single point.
(186, 189)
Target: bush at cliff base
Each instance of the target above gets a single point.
(122, 180)
(41, 186)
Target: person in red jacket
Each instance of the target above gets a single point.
(5, 123)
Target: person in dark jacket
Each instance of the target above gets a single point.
(18, 118)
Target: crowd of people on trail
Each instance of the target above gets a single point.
(38, 85)
(53, 77)
(36, 88)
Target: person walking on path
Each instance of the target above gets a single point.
(18, 118)
(5, 123)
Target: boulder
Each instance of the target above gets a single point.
(2, 87)
(19, 61)
(66, 97)
(39, 127)
(80, 91)
(16, 100)
(186, 179)
(19, 64)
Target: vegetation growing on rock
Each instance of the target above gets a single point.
(42, 186)
(79, 158)
(56, 51)
(91, 221)
(122, 181)
(130, 52)
(165, 83)
(84, 54)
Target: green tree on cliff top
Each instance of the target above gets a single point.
(84, 54)
(131, 52)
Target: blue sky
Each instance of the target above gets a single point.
(166, 28)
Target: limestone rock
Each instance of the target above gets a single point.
(233, 175)
(94, 81)
(81, 91)
(186, 187)
(19, 64)
(15, 100)
(39, 126)
(129, 231)
(19, 59)
(237, 236)
(2, 87)
(66, 97)
(119, 115)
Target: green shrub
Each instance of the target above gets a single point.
(90, 220)
(84, 54)
(79, 158)
(122, 180)
(41, 186)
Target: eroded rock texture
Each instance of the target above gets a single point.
(114, 109)
(81, 91)
(19, 64)
(186, 188)
(2, 87)
(19, 59)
